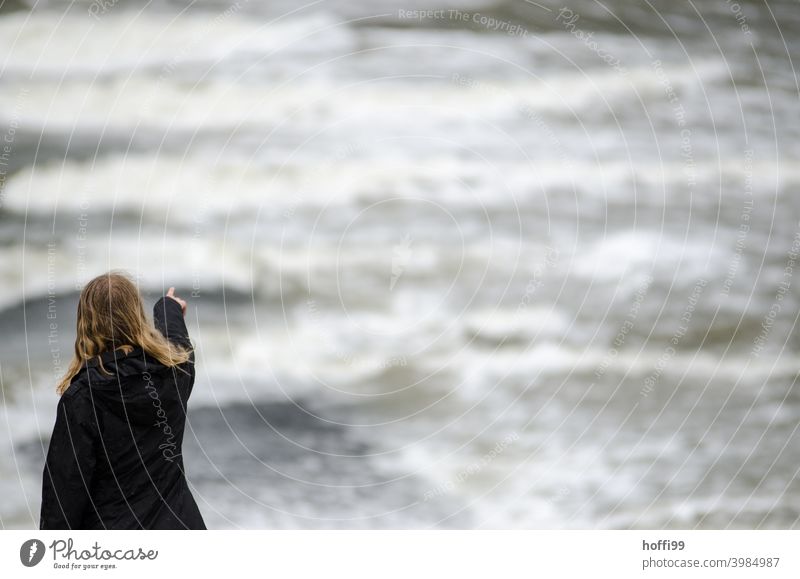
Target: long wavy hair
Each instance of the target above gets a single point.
(111, 316)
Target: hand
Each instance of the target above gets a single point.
(182, 303)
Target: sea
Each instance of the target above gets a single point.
(495, 264)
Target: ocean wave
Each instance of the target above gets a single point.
(227, 188)
(146, 102)
(50, 44)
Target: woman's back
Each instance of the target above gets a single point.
(114, 460)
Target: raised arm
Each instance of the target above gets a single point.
(68, 471)
(168, 318)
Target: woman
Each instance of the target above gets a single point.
(114, 460)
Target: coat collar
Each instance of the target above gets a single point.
(116, 364)
(112, 356)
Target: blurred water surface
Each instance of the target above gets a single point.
(474, 264)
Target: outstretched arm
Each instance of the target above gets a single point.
(168, 318)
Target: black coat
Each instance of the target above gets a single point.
(114, 460)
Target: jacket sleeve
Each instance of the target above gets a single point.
(168, 319)
(70, 464)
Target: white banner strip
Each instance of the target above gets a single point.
(401, 554)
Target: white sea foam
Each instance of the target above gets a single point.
(145, 102)
(49, 43)
(199, 188)
(159, 264)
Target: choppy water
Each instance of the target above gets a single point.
(473, 269)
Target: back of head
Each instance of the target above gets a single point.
(111, 316)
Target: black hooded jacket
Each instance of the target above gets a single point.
(114, 460)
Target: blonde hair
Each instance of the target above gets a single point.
(111, 316)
